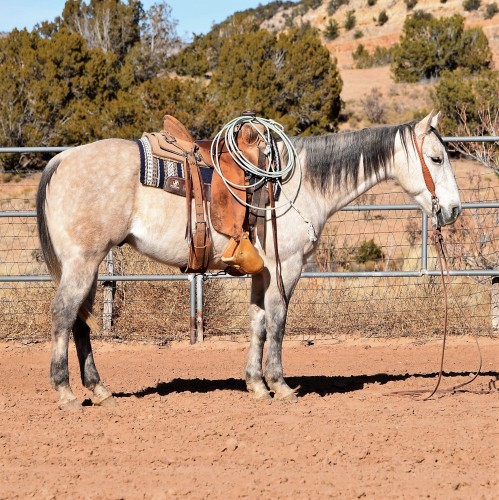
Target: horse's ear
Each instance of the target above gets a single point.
(423, 127)
(435, 120)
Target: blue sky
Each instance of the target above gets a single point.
(192, 16)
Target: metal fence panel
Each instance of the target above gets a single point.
(373, 274)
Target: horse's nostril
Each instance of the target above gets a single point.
(455, 212)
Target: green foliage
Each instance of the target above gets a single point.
(261, 64)
(332, 30)
(382, 18)
(334, 5)
(59, 87)
(363, 59)
(470, 106)
(470, 5)
(350, 20)
(491, 10)
(410, 4)
(109, 25)
(368, 251)
(462, 93)
(358, 34)
(429, 46)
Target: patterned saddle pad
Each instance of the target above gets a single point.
(166, 173)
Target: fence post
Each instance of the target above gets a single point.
(192, 315)
(109, 292)
(199, 308)
(494, 303)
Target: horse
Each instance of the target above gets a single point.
(90, 200)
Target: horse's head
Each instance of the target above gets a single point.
(429, 177)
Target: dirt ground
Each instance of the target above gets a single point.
(183, 425)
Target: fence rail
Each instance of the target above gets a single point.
(196, 283)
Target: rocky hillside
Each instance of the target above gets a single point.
(368, 30)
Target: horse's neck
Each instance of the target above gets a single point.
(337, 196)
(340, 196)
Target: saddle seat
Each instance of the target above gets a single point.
(227, 214)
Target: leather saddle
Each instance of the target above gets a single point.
(226, 211)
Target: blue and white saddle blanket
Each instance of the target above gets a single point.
(163, 172)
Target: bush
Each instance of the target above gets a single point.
(410, 4)
(370, 3)
(470, 5)
(379, 57)
(332, 30)
(334, 5)
(429, 46)
(382, 18)
(358, 34)
(491, 10)
(368, 251)
(470, 107)
(350, 20)
(373, 107)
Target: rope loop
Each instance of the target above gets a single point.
(227, 138)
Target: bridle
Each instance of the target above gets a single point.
(439, 243)
(428, 179)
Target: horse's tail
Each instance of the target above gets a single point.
(49, 255)
(51, 260)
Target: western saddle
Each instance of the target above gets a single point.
(225, 209)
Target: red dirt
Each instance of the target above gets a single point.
(184, 427)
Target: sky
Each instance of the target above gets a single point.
(192, 16)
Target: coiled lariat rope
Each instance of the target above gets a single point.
(226, 140)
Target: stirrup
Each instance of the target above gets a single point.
(242, 255)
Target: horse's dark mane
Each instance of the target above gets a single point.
(335, 158)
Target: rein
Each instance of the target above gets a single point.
(438, 241)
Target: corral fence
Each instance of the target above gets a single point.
(374, 274)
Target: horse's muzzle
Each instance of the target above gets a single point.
(446, 217)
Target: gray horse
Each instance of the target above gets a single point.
(90, 199)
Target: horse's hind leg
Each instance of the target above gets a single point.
(254, 375)
(75, 285)
(89, 375)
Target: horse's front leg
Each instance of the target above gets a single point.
(254, 374)
(276, 311)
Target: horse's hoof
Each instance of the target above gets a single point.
(72, 404)
(108, 401)
(261, 396)
(291, 397)
(287, 395)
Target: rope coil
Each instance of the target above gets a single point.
(227, 138)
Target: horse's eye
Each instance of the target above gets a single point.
(436, 159)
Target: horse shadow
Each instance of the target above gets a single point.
(320, 385)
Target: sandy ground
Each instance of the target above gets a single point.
(183, 425)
